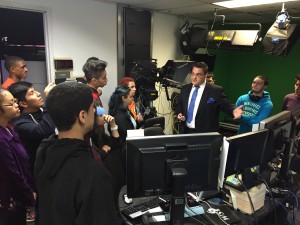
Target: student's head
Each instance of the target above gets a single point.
(9, 108)
(297, 85)
(128, 82)
(119, 100)
(29, 99)
(259, 84)
(199, 73)
(71, 103)
(16, 67)
(210, 78)
(95, 73)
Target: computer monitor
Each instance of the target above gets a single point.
(155, 122)
(243, 152)
(173, 164)
(280, 131)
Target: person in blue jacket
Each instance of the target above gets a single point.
(257, 104)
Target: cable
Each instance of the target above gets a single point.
(282, 206)
(192, 216)
(297, 207)
(216, 213)
(251, 203)
(268, 188)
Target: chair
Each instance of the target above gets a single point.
(155, 122)
(153, 131)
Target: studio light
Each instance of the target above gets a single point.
(184, 28)
(282, 18)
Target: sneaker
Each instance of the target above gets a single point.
(30, 215)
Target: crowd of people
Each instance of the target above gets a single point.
(56, 155)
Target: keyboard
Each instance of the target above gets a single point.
(135, 211)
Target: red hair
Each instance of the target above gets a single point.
(124, 82)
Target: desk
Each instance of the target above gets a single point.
(263, 216)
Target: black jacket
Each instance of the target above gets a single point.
(32, 129)
(73, 188)
(212, 101)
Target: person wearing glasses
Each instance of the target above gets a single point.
(17, 189)
(200, 103)
(34, 124)
(17, 69)
(292, 100)
(257, 104)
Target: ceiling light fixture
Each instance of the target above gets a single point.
(243, 3)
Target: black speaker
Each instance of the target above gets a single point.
(280, 41)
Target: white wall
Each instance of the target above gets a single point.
(79, 29)
(165, 46)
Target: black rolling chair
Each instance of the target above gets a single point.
(153, 131)
(155, 122)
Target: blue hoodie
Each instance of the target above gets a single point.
(254, 111)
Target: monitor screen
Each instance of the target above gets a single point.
(245, 151)
(150, 160)
(279, 127)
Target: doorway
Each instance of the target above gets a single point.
(22, 34)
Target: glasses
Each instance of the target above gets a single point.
(14, 101)
(196, 74)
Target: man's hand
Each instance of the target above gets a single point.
(237, 112)
(106, 148)
(180, 117)
(139, 117)
(48, 88)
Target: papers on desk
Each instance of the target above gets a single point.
(188, 212)
(135, 133)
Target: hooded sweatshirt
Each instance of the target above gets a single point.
(254, 111)
(73, 188)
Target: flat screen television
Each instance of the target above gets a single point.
(243, 152)
(173, 164)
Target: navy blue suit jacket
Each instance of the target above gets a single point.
(212, 101)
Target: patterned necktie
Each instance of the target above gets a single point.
(192, 105)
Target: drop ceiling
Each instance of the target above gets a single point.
(204, 10)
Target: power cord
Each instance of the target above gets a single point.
(249, 197)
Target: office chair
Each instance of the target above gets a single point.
(155, 122)
(153, 131)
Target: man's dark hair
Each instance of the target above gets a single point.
(264, 78)
(93, 68)
(202, 65)
(19, 90)
(10, 61)
(297, 77)
(65, 101)
(92, 58)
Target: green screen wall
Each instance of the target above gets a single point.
(235, 71)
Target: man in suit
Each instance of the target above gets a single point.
(200, 103)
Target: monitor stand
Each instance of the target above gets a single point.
(178, 197)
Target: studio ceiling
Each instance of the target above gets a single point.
(204, 10)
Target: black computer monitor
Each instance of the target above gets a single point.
(243, 152)
(280, 131)
(173, 164)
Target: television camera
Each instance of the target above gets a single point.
(146, 74)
